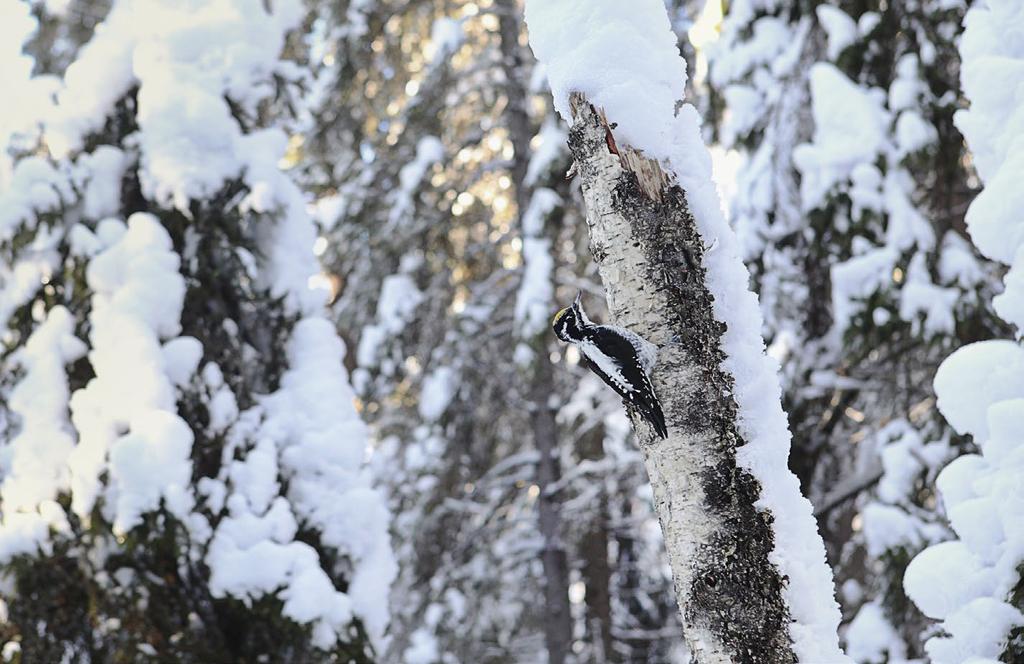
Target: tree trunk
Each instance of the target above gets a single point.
(557, 615)
(593, 550)
(649, 253)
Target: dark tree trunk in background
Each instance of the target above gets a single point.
(557, 615)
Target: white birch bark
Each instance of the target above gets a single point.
(649, 253)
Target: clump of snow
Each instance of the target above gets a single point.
(550, 143)
(310, 434)
(34, 462)
(974, 378)
(857, 278)
(399, 297)
(872, 639)
(429, 151)
(920, 298)
(840, 28)
(849, 129)
(623, 57)
(436, 392)
(184, 63)
(571, 37)
(536, 290)
(1010, 303)
(105, 167)
(980, 391)
(422, 648)
(991, 75)
(37, 190)
(976, 632)
(126, 416)
(771, 37)
(856, 129)
(887, 527)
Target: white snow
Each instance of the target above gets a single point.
(105, 167)
(978, 630)
(429, 151)
(887, 527)
(329, 487)
(771, 39)
(126, 450)
(34, 462)
(857, 278)
(849, 129)
(966, 582)
(856, 129)
(126, 416)
(536, 290)
(1010, 303)
(18, 120)
(546, 146)
(436, 392)
(36, 188)
(399, 297)
(992, 75)
(446, 35)
(974, 378)
(872, 639)
(840, 28)
(920, 297)
(623, 57)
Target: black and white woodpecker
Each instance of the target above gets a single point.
(622, 358)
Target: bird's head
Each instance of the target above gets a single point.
(568, 322)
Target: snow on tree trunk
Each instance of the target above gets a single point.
(975, 584)
(748, 564)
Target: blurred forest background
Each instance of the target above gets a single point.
(422, 142)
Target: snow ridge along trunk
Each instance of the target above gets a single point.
(649, 253)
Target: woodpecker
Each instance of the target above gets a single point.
(622, 358)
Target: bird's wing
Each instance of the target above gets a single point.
(645, 350)
(613, 357)
(615, 360)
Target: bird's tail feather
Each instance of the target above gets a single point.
(656, 418)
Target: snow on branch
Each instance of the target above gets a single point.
(181, 94)
(967, 582)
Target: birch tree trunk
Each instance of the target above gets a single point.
(649, 252)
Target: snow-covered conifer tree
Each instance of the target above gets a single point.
(181, 463)
(974, 583)
(850, 205)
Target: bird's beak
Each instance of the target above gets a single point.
(578, 301)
